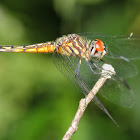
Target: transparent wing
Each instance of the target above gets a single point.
(118, 53)
(115, 90)
(125, 69)
(118, 46)
(67, 65)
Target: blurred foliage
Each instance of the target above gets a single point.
(36, 101)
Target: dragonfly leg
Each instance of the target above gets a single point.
(96, 67)
(94, 64)
(78, 68)
(104, 61)
(81, 83)
(77, 72)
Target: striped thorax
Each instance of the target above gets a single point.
(71, 45)
(75, 45)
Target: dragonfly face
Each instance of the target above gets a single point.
(97, 49)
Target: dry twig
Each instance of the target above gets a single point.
(108, 70)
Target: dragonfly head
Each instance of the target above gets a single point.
(97, 49)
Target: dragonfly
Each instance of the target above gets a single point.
(80, 58)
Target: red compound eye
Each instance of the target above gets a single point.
(99, 45)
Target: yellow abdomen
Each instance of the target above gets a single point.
(48, 47)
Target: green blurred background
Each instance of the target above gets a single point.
(36, 101)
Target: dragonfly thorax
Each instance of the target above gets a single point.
(97, 49)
